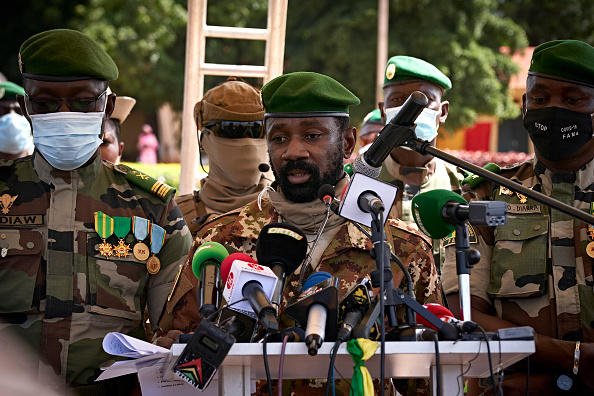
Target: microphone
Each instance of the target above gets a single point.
(281, 247)
(365, 195)
(263, 168)
(446, 316)
(205, 265)
(395, 133)
(352, 308)
(244, 278)
(326, 194)
(295, 334)
(316, 307)
(436, 212)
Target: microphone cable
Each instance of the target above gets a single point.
(281, 365)
(437, 362)
(330, 378)
(308, 258)
(495, 392)
(266, 367)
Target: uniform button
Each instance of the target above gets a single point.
(30, 245)
(516, 232)
(537, 227)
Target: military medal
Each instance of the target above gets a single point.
(104, 227)
(140, 228)
(590, 246)
(153, 264)
(121, 229)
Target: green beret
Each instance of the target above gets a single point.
(373, 117)
(65, 55)
(564, 60)
(306, 94)
(10, 90)
(406, 68)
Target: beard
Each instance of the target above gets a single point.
(308, 191)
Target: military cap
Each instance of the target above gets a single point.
(306, 94)
(65, 55)
(564, 60)
(402, 69)
(9, 90)
(232, 100)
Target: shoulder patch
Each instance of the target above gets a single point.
(451, 239)
(146, 182)
(475, 180)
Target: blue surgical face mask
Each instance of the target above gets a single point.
(15, 134)
(67, 140)
(426, 122)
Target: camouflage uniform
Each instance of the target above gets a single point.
(193, 210)
(412, 181)
(534, 271)
(347, 257)
(57, 291)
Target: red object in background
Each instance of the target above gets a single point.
(477, 137)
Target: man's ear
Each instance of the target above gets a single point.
(349, 139)
(445, 110)
(21, 99)
(110, 106)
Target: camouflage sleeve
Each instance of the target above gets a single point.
(172, 255)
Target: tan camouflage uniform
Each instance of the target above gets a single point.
(347, 257)
(57, 291)
(534, 271)
(411, 181)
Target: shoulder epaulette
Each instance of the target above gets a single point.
(146, 182)
(475, 180)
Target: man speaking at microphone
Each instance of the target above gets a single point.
(308, 136)
(537, 270)
(412, 172)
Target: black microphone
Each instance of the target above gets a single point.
(397, 132)
(316, 307)
(326, 194)
(263, 168)
(206, 265)
(352, 308)
(369, 202)
(281, 247)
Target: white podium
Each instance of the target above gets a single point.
(404, 359)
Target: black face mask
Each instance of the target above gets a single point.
(556, 132)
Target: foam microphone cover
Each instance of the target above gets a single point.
(228, 262)
(208, 253)
(440, 311)
(281, 243)
(427, 212)
(326, 191)
(316, 278)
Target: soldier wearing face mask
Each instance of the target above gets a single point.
(85, 245)
(538, 269)
(15, 132)
(230, 120)
(411, 172)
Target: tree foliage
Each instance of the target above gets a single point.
(461, 37)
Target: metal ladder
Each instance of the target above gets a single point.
(196, 68)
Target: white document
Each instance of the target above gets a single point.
(123, 345)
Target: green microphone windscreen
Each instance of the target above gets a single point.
(427, 208)
(208, 253)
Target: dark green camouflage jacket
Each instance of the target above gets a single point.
(57, 291)
(347, 257)
(536, 270)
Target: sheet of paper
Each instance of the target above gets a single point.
(123, 345)
(132, 366)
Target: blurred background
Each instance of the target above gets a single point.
(484, 46)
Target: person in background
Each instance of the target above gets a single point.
(308, 136)
(230, 120)
(408, 170)
(16, 140)
(112, 146)
(537, 270)
(147, 145)
(86, 244)
(370, 127)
